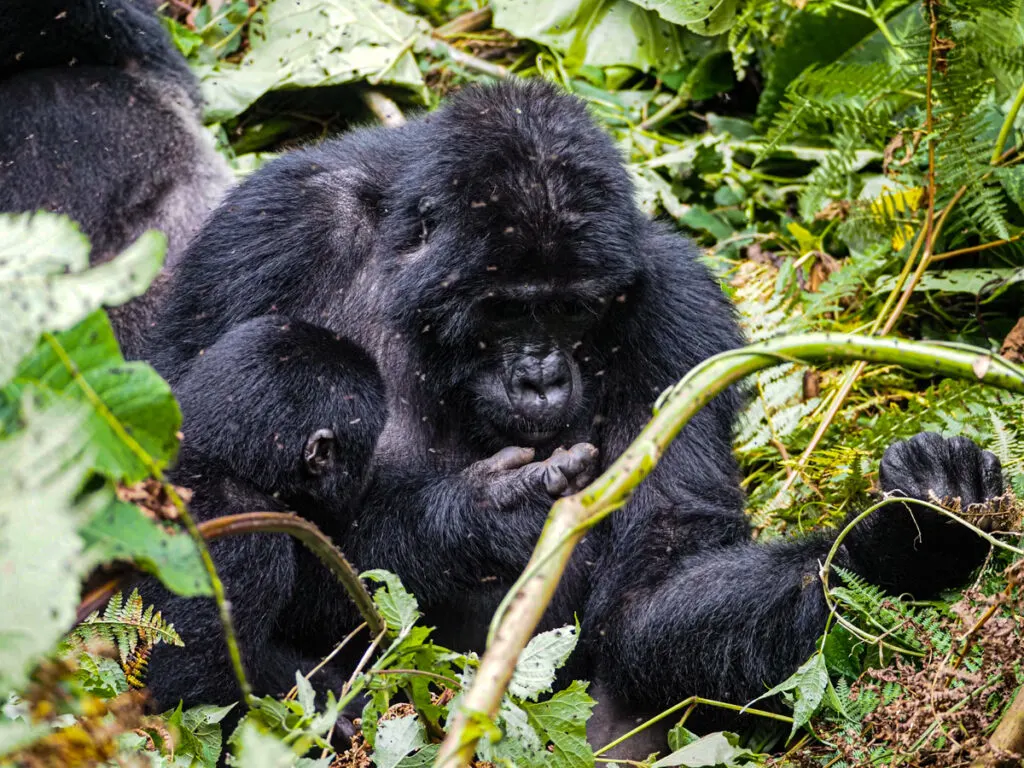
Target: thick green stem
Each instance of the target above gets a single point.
(1004, 131)
(570, 517)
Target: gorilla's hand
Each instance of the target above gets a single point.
(910, 548)
(511, 474)
(932, 468)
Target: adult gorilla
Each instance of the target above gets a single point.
(492, 258)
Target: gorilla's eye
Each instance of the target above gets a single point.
(504, 310)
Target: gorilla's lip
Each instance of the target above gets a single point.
(534, 436)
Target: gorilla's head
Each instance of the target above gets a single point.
(287, 407)
(518, 235)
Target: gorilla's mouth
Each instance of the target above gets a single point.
(533, 437)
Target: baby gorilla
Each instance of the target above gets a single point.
(278, 415)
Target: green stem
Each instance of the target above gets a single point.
(691, 702)
(1004, 131)
(570, 517)
(223, 608)
(315, 540)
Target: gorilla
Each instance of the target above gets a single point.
(525, 316)
(101, 122)
(277, 415)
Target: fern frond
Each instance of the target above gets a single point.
(126, 624)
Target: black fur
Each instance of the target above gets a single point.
(100, 121)
(491, 257)
(250, 406)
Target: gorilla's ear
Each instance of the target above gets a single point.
(320, 451)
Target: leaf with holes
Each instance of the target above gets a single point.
(46, 283)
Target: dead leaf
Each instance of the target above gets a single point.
(1013, 344)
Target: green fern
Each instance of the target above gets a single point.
(128, 625)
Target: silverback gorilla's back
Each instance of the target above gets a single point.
(101, 121)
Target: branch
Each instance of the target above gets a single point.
(268, 522)
(570, 517)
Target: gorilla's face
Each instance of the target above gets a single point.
(527, 382)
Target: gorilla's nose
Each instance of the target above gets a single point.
(540, 388)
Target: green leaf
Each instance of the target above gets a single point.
(41, 559)
(715, 749)
(127, 402)
(396, 739)
(199, 737)
(597, 33)
(255, 749)
(101, 676)
(46, 283)
(396, 604)
(808, 684)
(959, 280)
(543, 655)
(121, 531)
(562, 722)
(317, 43)
(705, 17)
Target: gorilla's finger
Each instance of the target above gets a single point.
(507, 459)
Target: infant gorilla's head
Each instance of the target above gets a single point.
(287, 407)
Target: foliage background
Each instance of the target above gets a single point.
(847, 166)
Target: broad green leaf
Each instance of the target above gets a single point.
(396, 739)
(101, 676)
(316, 43)
(122, 532)
(705, 17)
(715, 749)
(46, 283)
(127, 402)
(255, 749)
(519, 743)
(543, 655)
(596, 33)
(422, 759)
(396, 604)
(808, 686)
(41, 558)
(562, 722)
(199, 737)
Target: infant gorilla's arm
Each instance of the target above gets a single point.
(278, 415)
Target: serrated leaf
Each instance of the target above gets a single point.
(396, 604)
(396, 739)
(41, 555)
(808, 685)
(715, 749)
(121, 531)
(306, 696)
(127, 402)
(562, 722)
(540, 659)
(46, 283)
(317, 43)
(199, 737)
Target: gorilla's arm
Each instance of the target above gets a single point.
(687, 604)
(258, 572)
(471, 526)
